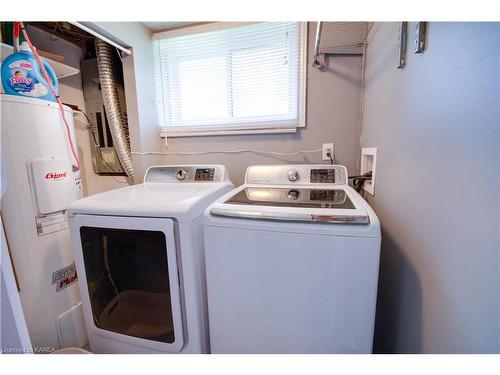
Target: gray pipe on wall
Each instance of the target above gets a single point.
(117, 125)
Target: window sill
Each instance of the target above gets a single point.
(176, 133)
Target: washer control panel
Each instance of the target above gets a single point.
(302, 174)
(186, 173)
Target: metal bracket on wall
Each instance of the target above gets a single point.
(403, 38)
(316, 63)
(420, 35)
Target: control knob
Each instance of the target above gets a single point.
(293, 175)
(181, 174)
(293, 195)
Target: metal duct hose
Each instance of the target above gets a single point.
(117, 125)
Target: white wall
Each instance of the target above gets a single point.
(332, 114)
(70, 90)
(436, 126)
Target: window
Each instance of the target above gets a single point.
(243, 78)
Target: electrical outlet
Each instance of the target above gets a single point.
(328, 147)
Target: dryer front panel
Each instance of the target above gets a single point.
(129, 281)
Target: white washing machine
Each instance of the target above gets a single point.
(292, 259)
(140, 263)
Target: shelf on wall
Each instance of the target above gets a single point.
(62, 70)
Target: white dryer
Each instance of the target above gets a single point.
(140, 263)
(292, 259)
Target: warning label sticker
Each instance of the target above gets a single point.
(64, 277)
(51, 223)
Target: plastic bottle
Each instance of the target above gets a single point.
(22, 76)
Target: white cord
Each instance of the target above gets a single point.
(361, 124)
(119, 54)
(229, 152)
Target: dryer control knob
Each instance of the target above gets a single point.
(181, 174)
(293, 175)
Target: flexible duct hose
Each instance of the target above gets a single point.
(117, 125)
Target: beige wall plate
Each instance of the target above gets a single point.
(369, 163)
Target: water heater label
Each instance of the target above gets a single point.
(53, 184)
(55, 175)
(64, 277)
(51, 223)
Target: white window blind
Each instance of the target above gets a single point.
(245, 77)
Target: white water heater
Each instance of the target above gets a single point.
(38, 184)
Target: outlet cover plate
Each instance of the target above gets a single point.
(328, 147)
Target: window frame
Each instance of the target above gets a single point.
(278, 126)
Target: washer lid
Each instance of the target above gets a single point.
(335, 205)
(183, 202)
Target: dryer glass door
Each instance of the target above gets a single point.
(130, 271)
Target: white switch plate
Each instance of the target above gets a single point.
(369, 163)
(328, 147)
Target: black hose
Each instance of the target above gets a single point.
(359, 181)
